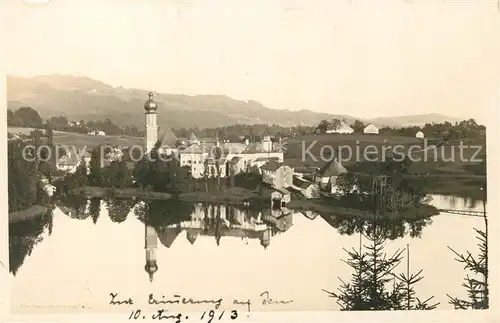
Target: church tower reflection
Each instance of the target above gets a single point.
(151, 243)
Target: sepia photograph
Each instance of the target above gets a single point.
(226, 158)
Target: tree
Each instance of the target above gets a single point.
(323, 126)
(336, 124)
(80, 175)
(22, 180)
(28, 117)
(358, 126)
(95, 175)
(49, 133)
(116, 175)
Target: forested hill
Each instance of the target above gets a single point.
(80, 98)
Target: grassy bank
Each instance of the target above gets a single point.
(330, 209)
(30, 213)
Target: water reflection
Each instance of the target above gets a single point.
(166, 220)
(149, 231)
(24, 236)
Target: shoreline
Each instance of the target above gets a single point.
(32, 212)
(330, 210)
(234, 196)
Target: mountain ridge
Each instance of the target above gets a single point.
(79, 97)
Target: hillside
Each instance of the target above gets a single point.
(83, 98)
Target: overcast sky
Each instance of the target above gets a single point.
(366, 58)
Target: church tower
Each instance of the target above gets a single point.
(151, 243)
(151, 126)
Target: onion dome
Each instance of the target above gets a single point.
(150, 105)
(151, 268)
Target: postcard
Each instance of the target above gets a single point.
(205, 161)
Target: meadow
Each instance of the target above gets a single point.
(79, 140)
(352, 148)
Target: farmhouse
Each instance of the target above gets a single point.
(277, 175)
(168, 143)
(420, 134)
(69, 162)
(343, 129)
(371, 129)
(308, 189)
(327, 176)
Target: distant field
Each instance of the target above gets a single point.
(359, 142)
(26, 131)
(81, 140)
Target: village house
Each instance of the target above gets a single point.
(168, 142)
(371, 129)
(327, 176)
(277, 174)
(308, 189)
(420, 135)
(97, 133)
(344, 128)
(69, 162)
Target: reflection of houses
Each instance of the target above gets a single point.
(311, 215)
(280, 197)
(282, 219)
(225, 221)
(327, 176)
(277, 174)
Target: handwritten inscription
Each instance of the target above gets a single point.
(164, 315)
(115, 301)
(215, 313)
(268, 301)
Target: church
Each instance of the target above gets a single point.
(195, 154)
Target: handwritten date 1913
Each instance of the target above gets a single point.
(163, 315)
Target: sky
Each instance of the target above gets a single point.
(366, 58)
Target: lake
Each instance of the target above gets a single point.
(86, 250)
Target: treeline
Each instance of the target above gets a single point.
(25, 171)
(446, 130)
(29, 117)
(254, 132)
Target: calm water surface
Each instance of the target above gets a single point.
(85, 251)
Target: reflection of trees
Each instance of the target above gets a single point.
(118, 209)
(160, 213)
(391, 228)
(74, 202)
(95, 209)
(23, 236)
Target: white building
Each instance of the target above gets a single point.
(371, 129)
(327, 176)
(151, 126)
(69, 162)
(420, 134)
(343, 129)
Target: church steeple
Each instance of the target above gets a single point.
(151, 126)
